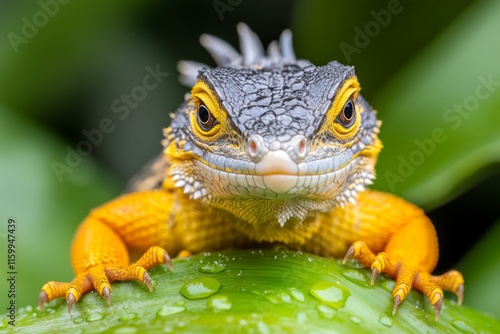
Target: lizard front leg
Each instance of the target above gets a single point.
(391, 236)
(99, 252)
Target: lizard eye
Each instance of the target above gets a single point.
(347, 115)
(204, 117)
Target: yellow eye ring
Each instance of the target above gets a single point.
(342, 119)
(207, 118)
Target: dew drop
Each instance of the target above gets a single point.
(355, 276)
(212, 267)
(198, 288)
(302, 318)
(285, 297)
(385, 321)
(128, 316)
(296, 294)
(126, 329)
(463, 326)
(263, 328)
(126, 306)
(330, 293)
(219, 303)
(168, 329)
(326, 311)
(355, 320)
(95, 317)
(179, 302)
(78, 320)
(273, 298)
(169, 310)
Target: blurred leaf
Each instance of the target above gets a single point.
(55, 57)
(267, 291)
(396, 33)
(46, 210)
(430, 147)
(482, 265)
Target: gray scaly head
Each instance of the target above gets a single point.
(268, 137)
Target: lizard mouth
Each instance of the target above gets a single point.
(276, 176)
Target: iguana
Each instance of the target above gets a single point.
(266, 149)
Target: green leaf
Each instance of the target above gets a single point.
(58, 53)
(46, 209)
(268, 291)
(440, 112)
(481, 264)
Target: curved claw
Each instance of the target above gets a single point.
(374, 276)
(106, 294)
(397, 302)
(168, 261)
(71, 300)
(437, 306)
(460, 294)
(348, 255)
(42, 299)
(147, 281)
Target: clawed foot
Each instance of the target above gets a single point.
(408, 277)
(100, 277)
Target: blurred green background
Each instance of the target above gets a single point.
(432, 72)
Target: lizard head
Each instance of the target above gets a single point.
(270, 138)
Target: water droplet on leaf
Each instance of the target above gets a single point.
(219, 303)
(169, 310)
(330, 293)
(212, 267)
(463, 326)
(326, 311)
(385, 321)
(95, 317)
(296, 294)
(198, 288)
(356, 276)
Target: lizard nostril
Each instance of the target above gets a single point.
(300, 146)
(255, 146)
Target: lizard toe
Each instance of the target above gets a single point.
(50, 291)
(452, 281)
